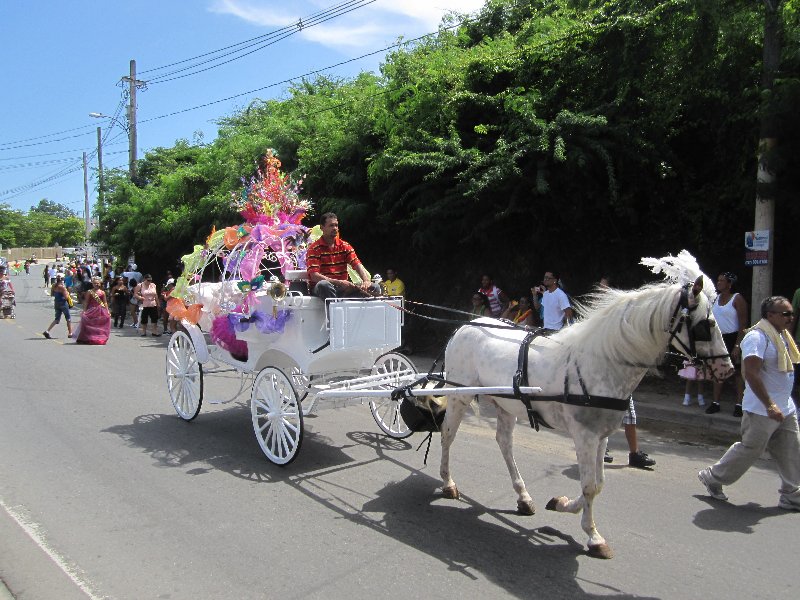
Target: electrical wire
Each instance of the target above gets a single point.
(281, 33)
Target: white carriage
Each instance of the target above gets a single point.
(344, 344)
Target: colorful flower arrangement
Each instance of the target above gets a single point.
(272, 234)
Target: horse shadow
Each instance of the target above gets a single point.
(480, 543)
(732, 518)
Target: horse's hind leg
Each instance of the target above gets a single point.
(505, 439)
(456, 406)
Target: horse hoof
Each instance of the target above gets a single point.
(601, 551)
(525, 508)
(450, 492)
(554, 502)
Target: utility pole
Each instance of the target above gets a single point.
(99, 166)
(133, 83)
(86, 198)
(765, 179)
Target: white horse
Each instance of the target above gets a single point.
(606, 354)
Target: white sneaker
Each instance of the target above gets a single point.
(714, 489)
(687, 401)
(701, 402)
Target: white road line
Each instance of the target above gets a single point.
(32, 529)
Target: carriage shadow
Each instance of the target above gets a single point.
(223, 440)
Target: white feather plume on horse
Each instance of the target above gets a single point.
(681, 269)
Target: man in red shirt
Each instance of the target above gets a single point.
(326, 263)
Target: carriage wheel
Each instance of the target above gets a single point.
(385, 410)
(184, 376)
(277, 418)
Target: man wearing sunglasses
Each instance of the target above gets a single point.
(769, 421)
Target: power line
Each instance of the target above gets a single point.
(296, 77)
(294, 27)
(39, 137)
(49, 153)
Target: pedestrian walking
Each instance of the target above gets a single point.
(120, 295)
(769, 420)
(61, 303)
(147, 295)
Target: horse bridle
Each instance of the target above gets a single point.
(699, 331)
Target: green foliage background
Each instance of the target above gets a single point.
(568, 135)
(45, 224)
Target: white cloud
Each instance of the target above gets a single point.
(364, 28)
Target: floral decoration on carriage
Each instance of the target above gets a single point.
(247, 258)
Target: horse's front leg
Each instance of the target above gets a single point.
(505, 439)
(456, 406)
(590, 465)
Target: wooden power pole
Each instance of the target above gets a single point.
(133, 83)
(765, 178)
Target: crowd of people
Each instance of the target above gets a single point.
(115, 294)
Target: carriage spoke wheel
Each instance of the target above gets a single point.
(277, 418)
(386, 411)
(184, 376)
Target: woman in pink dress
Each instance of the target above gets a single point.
(95, 324)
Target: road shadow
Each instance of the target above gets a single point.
(733, 518)
(478, 543)
(224, 440)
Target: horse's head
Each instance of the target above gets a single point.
(695, 334)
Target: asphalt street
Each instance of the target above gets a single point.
(106, 493)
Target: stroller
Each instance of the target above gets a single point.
(8, 300)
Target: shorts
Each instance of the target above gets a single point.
(630, 414)
(149, 312)
(62, 309)
(730, 342)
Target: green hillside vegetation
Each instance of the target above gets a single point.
(569, 135)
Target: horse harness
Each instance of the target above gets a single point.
(697, 332)
(586, 399)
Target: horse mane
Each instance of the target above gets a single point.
(624, 326)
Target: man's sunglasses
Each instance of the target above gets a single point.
(785, 313)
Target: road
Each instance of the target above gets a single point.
(106, 493)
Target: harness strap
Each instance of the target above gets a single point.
(520, 379)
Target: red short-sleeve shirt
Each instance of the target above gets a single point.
(331, 261)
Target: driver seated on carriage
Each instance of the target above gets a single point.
(327, 260)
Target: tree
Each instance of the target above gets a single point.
(48, 207)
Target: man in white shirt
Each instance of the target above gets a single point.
(557, 311)
(769, 421)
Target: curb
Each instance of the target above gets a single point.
(717, 423)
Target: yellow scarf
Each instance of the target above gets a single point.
(788, 353)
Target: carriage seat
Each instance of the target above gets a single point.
(297, 280)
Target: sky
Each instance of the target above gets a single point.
(60, 61)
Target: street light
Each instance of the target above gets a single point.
(131, 140)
